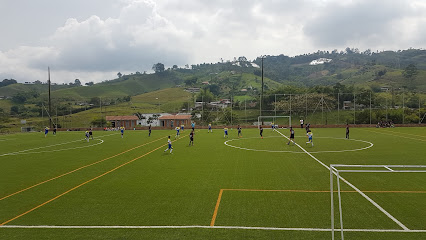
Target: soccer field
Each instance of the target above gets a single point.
(63, 187)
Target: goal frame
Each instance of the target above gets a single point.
(335, 171)
(259, 122)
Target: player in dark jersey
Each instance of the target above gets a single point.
(91, 133)
(291, 136)
(149, 130)
(191, 138)
(347, 131)
(261, 132)
(239, 131)
(308, 125)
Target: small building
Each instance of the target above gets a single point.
(193, 90)
(123, 121)
(384, 88)
(175, 120)
(150, 119)
(347, 105)
(205, 83)
(320, 61)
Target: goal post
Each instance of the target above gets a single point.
(280, 121)
(336, 169)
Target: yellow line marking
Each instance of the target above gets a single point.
(216, 209)
(75, 170)
(219, 198)
(72, 189)
(397, 135)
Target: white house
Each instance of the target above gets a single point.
(320, 61)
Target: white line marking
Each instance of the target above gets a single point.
(352, 186)
(26, 150)
(282, 151)
(213, 227)
(388, 168)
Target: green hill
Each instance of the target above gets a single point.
(13, 89)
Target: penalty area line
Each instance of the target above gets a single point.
(212, 227)
(352, 186)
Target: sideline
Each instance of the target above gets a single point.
(216, 227)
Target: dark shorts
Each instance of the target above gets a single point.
(191, 139)
(90, 133)
(292, 136)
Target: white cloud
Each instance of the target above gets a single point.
(144, 32)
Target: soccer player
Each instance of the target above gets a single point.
(225, 132)
(307, 127)
(46, 131)
(210, 128)
(91, 133)
(272, 126)
(301, 123)
(169, 143)
(291, 136)
(87, 136)
(177, 132)
(347, 131)
(122, 132)
(54, 131)
(309, 134)
(191, 138)
(239, 131)
(193, 126)
(261, 132)
(149, 130)
(182, 127)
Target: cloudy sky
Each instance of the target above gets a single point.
(92, 40)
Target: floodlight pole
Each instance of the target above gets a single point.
(50, 104)
(403, 108)
(370, 107)
(261, 93)
(354, 107)
(338, 108)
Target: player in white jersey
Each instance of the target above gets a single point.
(310, 134)
(169, 144)
(177, 132)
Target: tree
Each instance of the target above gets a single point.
(6, 82)
(242, 59)
(191, 81)
(98, 122)
(158, 67)
(89, 84)
(205, 96)
(410, 72)
(119, 75)
(77, 82)
(19, 97)
(175, 67)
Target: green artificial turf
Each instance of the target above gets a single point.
(64, 180)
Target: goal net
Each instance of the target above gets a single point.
(337, 169)
(276, 121)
